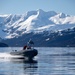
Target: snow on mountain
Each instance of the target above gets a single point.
(34, 21)
(63, 19)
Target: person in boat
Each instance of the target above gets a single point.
(24, 47)
(29, 45)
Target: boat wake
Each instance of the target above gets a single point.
(6, 57)
(9, 56)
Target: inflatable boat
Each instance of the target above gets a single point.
(29, 53)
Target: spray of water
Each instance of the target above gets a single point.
(7, 56)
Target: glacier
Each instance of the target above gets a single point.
(36, 21)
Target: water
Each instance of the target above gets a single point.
(49, 61)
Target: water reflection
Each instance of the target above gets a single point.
(57, 61)
(18, 67)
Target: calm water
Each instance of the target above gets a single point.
(49, 61)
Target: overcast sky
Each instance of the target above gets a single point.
(22, 6)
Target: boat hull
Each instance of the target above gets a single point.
(26, 53)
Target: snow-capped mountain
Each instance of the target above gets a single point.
(34, 21)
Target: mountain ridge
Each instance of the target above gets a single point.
(34, 21)
(47, 27)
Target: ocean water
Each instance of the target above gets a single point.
(49, 61)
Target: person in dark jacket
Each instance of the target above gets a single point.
(24, 47)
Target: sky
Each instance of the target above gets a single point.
(22, 6)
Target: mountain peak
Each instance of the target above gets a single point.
(49, 13)
(40, 10)
(34, 21)
(29, 13)
(62, 15)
